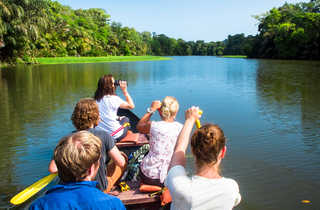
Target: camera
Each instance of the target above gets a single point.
(117, 82)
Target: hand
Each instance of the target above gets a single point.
(155, 105)
(119, 118)
(123, 85)
(124, 155)
(192, 113)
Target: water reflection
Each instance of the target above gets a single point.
(289, 97)
(35, 104)
(268, 109)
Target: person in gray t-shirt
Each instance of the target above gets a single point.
(85, 116)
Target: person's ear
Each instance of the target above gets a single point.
(223, 152)
(92, 171)
(97, 122)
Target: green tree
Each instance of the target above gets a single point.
(22, 22)
(291, 31)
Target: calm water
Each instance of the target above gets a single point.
(269, 110)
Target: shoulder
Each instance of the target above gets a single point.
(97, 199)
(177, 175)
(178, 125)
(38, 204)
(114, 99)
(108, 98)
(154, 123)
(50, 201)
(230, 182)
(109, 201)
(177, 170)
(103, 135)
(179, 185)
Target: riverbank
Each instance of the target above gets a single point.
(107, 59)
(234, 56)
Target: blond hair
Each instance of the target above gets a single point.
(169, 107)
(75, 154)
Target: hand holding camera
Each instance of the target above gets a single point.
(155, 105)
(117, 82)
(123, 85)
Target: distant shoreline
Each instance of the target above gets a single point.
(234, 56)
(106, 59)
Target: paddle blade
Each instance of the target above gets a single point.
(32, 189)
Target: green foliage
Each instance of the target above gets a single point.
(61, 60)
(234, 45)
(289, 32)
(21, 23)
(45, 28)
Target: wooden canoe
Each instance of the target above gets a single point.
(134, 199)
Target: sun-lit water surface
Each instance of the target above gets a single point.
(269, 110)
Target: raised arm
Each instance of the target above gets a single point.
(178, 157)
(144, 124)
(128, 104)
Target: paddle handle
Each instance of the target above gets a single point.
(198, 124)
(119, 129)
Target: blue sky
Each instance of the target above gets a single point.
(191, 20)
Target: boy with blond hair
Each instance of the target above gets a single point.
(77, 158)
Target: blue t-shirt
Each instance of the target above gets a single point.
(77, 195)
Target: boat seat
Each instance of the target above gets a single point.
(132, 139)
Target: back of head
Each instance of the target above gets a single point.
(75, 154)
(169, 107)
(105, 87)
(206, 144)
(85, 114)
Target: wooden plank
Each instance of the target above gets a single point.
(136, 197)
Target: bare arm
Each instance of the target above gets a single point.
(117, 157)
(144, 124)
(178, 157)
(52, 167)
(129, 102)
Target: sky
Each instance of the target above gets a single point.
(190, 20)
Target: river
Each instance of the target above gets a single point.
(268, 109)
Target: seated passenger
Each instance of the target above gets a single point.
(208, 189)
(85, 116)
(77, 158)
(109, 103)
(163, 137)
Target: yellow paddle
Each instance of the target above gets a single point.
(198, 121)
(32, 189)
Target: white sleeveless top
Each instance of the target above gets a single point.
(108, 107)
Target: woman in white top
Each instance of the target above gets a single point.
(109, 103)
(208, 189)
(163, 137)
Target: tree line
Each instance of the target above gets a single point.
(44, 28)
